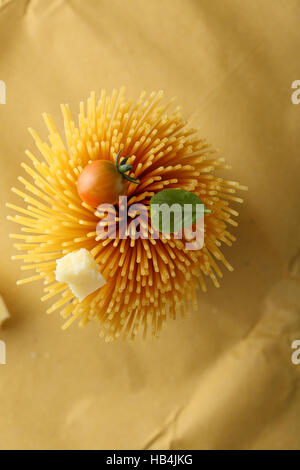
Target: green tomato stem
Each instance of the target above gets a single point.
(123, 167)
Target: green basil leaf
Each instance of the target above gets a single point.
(174, 209)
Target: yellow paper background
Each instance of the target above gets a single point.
(222, 378)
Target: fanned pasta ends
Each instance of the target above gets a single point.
(148, 280)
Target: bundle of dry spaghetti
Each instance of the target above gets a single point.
(148, 280)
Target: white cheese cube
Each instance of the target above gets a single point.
(4, 313)
(81, 272)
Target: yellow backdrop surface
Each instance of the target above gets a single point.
(222, 378)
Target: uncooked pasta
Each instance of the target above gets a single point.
(148, 280)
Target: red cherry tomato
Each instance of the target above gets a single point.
(103, 181)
